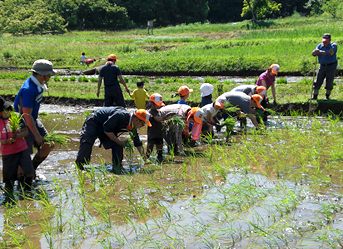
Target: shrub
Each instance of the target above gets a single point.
(210, 80)
(145, 80)
(7, 54)
(281, 81)
(72, 78)
(82, 79)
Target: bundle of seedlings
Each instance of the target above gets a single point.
(53, 137)
(175, 123)
(15, 123)
(128, 143)
(229, 123)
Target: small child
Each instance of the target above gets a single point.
(183, 92)
(83, 58)
(155, 132)
(206, 90)
(90, 61)
(210, 112)
(139, 95)
(14, 152)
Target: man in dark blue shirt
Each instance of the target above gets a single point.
(110, 73)
(326, 52)
(107, 124)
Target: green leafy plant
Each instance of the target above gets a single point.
(53, 137)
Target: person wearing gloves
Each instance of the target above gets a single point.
(107, 123)
(173, 135)
(326, 52)
(245, 103)
(206, 90)
(267, 79)
(210, 112)
(27, 102)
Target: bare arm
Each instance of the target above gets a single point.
(99, 85)
(31, 124)
(123, 83)
(253, 120)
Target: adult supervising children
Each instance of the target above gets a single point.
(111, 73)
(107, 123)
(28, 101)
(245, 103)
(267, 79)
(326, 52)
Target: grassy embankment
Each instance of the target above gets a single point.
(203, 49)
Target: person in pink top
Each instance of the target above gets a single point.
(15, 153)
(267, 79)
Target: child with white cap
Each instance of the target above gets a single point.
(206, 90)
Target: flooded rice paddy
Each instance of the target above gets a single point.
(276, 189)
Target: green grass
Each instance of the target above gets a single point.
(207, 48)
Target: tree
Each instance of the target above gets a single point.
(259, 8)
(333, 8)
(224, 11)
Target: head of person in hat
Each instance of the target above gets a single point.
(255, 101)
(42, 70)
(156, 101)
(326, 39)
(140, 118)
(5, 105)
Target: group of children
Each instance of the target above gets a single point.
(198, 120)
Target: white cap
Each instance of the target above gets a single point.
(206, 89)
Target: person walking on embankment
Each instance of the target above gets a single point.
(111, 73)
(267, 79)
(326, 52)
(28, 101)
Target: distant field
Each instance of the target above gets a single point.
(193, 48)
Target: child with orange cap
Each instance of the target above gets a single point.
(155, 132)
(183, 92)
(210, 114)
(107, 124)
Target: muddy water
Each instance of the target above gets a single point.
(197, 214)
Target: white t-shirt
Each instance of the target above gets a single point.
(83, 58)
(209, 108)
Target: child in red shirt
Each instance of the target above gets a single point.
(14, 152)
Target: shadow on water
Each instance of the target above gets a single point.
(257, 190)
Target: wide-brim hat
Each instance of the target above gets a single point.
(43, 67)
(206, 89)
(4, 105)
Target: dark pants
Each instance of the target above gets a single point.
(91, 130)
(327, 72)
(114, 97)
(159, 148)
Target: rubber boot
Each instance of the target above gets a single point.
(9, 190)
(327, 95)
(314, 97)
(37, 160)
(27, 185)
(20, 186)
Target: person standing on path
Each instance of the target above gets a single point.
(267, 79)
(326, 52)
(110, 73)
(107, 124)
(28, 101)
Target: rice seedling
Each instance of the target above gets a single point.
(229, 123)
(54, 137)
(15, 122)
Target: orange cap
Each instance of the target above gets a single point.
(258, 99)
(197, 113)
(184, 90)
(157, 99)
(275, 68)
(144, 116)
(261, 90)
(220, 102)
(112, 57)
